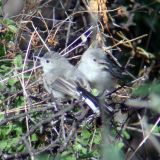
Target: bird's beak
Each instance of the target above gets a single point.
(103, 61)
(103, 64)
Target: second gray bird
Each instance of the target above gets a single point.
(97, 69)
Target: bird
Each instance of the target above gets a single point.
(98, 70)
(64, 81)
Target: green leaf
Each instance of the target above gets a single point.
(12, 28)
(84, 150)
(18, 130)
(77, 147)
(120, 145)
(156, 128)
(14, 141)
(95, 92)
(19, 101)
(13, 89)
(9, 129)
(126, 134)
(12, 81)
(85, 134)
(11, 25)
(4, 68)
(34, 138)
(18, 61)
(20, 147)
(66, 156)
(8, 21)
(3, 144)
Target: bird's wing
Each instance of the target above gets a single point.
(56, 81)
(66, 87)
(81, 80)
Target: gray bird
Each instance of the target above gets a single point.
(97, 69)
(63, 80)
(60, 77)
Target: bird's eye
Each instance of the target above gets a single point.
(47, 61)
(94, 60)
